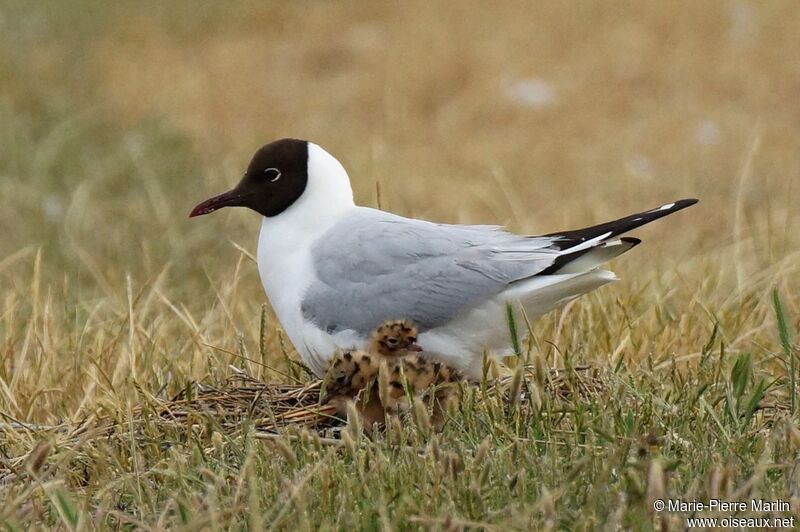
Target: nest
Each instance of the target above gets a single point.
(273, 407)
(268, 407)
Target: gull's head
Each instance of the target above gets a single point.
(284, 173)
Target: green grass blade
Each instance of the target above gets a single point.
(740, 375)
(755, 399)
(512, 329)
(66, 508)
(786, 343)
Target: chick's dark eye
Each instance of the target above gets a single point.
(273, 174)
(391, 341)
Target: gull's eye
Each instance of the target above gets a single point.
(273, 174)
(391, 342)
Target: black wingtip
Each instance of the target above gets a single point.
(632, 240)
(567, 239)
(669, 208)
(682, 204)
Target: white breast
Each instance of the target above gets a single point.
(284, 254)
(286, 272)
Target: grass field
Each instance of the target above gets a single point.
(116, 118)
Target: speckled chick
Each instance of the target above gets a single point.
(354, 374)
(351, 371)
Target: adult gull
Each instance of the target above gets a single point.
(333, 271)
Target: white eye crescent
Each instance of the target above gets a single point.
(273, 174)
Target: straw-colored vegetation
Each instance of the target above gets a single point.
(116, 118)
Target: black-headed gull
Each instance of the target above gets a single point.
(333, 271)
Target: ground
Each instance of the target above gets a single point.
(116, 118)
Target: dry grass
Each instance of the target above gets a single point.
(116, 119)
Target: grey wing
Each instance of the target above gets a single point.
(373, 266)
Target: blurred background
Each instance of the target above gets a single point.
(117, 118)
